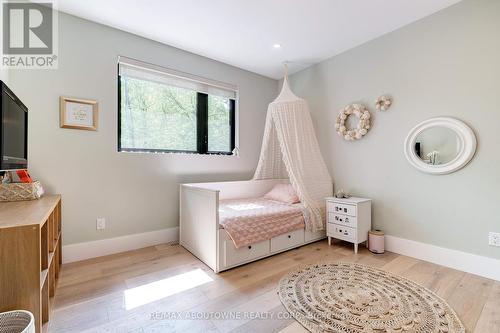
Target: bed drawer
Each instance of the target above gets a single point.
(287, 240)
(346, 220)
(342, 232)
(310, 236)
(233, 256)
(339, 208)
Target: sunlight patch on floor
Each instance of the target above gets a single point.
(157, 290)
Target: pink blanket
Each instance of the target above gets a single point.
(249, 221)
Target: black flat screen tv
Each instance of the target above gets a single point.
(13, 131)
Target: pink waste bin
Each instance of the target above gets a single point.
(376, 241)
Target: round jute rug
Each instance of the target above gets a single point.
(348, 297)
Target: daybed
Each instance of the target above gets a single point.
(202, 234)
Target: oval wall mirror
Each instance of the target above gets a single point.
(440, 145)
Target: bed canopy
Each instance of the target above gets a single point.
(290, 150)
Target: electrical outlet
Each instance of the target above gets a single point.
(494, 239)
(100, 223)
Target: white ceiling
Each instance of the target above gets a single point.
(242, 32)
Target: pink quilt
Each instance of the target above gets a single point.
(249, 221)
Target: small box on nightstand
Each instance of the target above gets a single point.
(348, 219)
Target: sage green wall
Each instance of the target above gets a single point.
(4, 75)
(135, 192)
(445, 65)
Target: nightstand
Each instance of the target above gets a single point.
(348, 219)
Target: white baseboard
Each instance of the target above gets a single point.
(463, 261)
(87, 250)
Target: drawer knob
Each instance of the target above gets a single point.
(289, 236)
(249, 247)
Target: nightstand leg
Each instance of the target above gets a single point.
(329, 241)
(355, 248)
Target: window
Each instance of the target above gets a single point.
(161, 110)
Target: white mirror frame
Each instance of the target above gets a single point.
(467, 149)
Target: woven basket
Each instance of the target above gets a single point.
(21, 191)
(17, 322)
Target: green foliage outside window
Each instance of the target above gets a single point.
(162, 117)
(219, 128)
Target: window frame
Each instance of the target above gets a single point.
(201, 126)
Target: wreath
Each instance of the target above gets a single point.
(357, 133)
(383, 103)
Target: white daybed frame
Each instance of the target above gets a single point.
(201, 234)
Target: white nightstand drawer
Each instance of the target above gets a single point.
(342, 232)
(287, 240)
(338, 208)
(350, 221)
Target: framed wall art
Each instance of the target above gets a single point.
(78, 114)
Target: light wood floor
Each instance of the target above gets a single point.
(92, 295)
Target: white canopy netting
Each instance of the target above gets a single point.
(290, 150)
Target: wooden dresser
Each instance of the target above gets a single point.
(30, 255)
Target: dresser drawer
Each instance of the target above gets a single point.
(287, 240)
(350, 221)
(233, 256)
(342, 232)
(338, 208)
